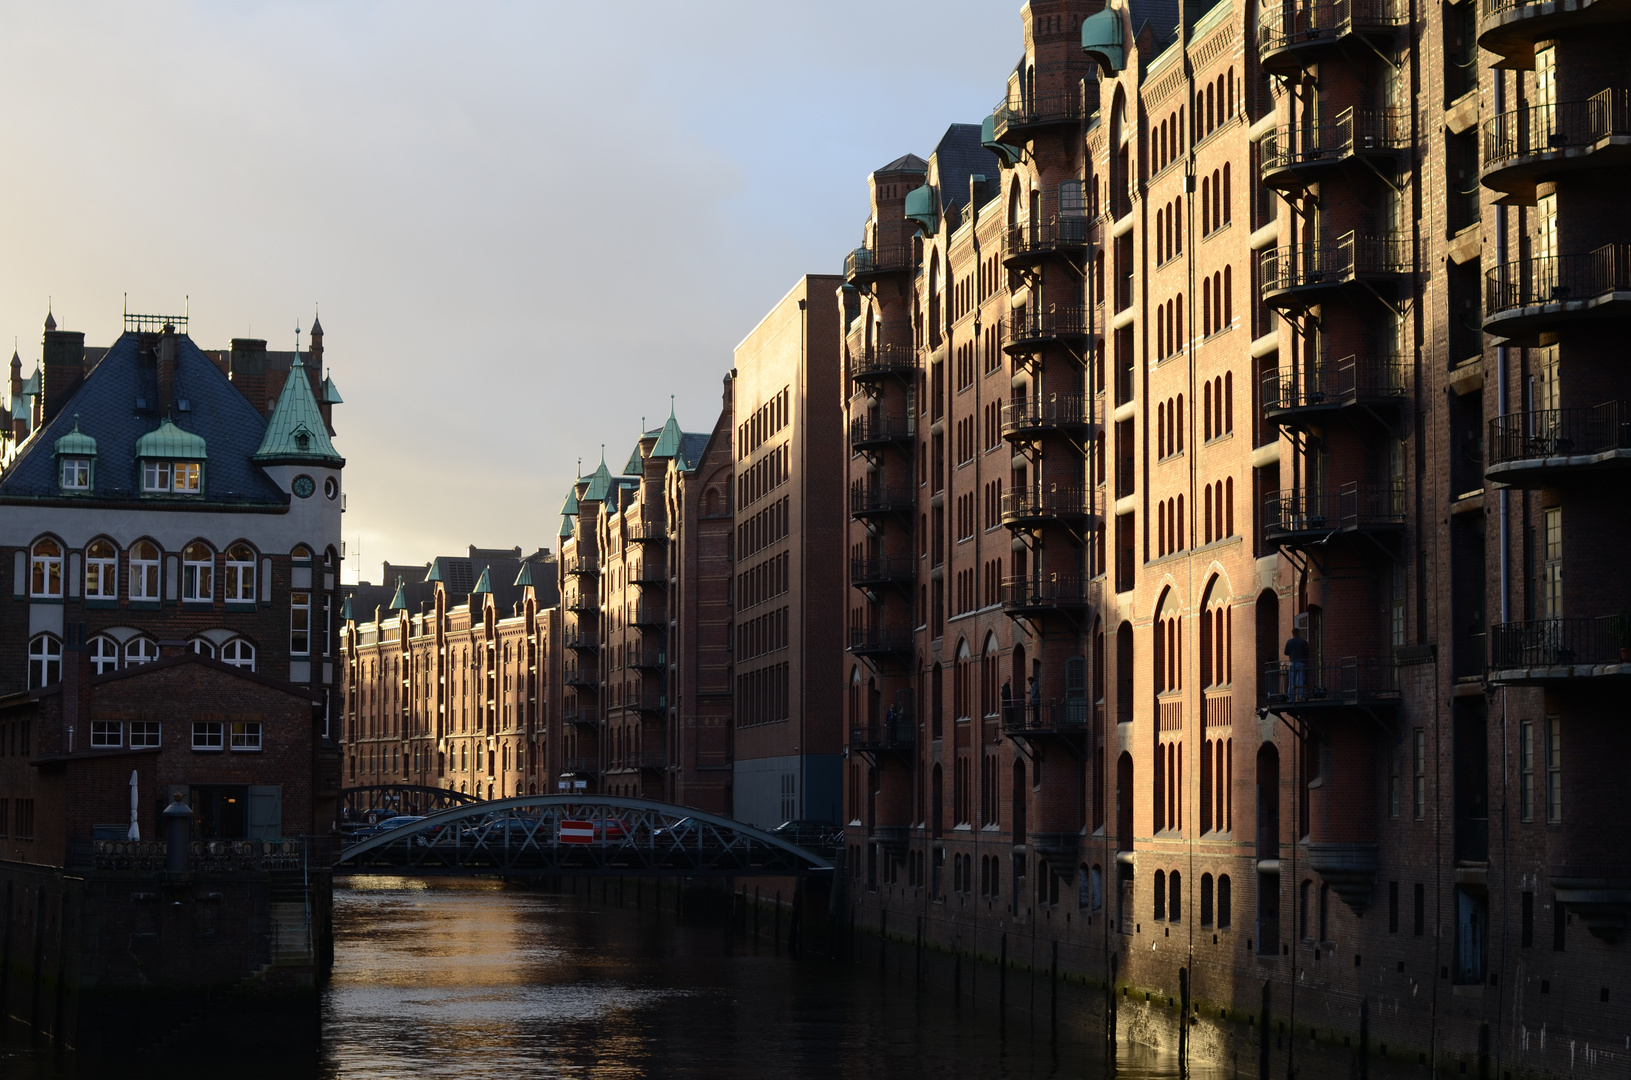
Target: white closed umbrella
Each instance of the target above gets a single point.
(135, 832)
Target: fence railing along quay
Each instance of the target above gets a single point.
(204, 856)
(1547, 643)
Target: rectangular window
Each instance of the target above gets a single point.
(246, 735)
(1551, 589)
(1526, 770)
(144, 733)
(300, 623)
(188, 475)
(155, 476)
(1560, 924)
(1554, 769)
(25, 819)
(76, 474)
(208, 734)
(4, 823)
(1419, 792)
(106, 733)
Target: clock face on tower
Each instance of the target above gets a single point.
(303, 486)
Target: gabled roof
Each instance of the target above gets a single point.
(296, 431)
(168, 441)
(599, 484)
(692, 446)
(117, 405)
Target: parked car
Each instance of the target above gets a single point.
(609, 830)
(684, 831)
(385, 825)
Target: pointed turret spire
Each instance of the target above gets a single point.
(399, 602)
(50, 319)
(484, 584)
(669, 441)
(295, 431)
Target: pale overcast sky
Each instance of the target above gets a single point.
(526, 224)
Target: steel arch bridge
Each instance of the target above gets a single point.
(387, 799)
(564, 835)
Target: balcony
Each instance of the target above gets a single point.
(881, 362)
(1553, 650)
(646, 532)
(1047, 504)
(883, 571)
(1032, 331)
(1027, 245)
(1510, 28)
(868, 502)
(572, 675)
(1070, 415)
(582, 603)
(1066, 717)
(1348, 682)
(871, 641)
(649, 575)
(1539, 143)
(1017, 119)
(586, 766)
(1044, 595)
(1296, 156)
(1301, 277)
(580, 716)
(587, 567)
(647, 703)
(646, 616)
(1550, 447)
(863, 266)
(1550, 292)
(897, 733)
(580, 641)
(649, 660)
(1292, 397)
(1292, 35)
(878, 431)
(1308, 518)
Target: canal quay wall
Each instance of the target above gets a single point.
(143, 962)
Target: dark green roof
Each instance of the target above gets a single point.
(331, 393)
(600, 483)
(169, 441)
(571, 504)
(399, 602)
(76, 443)
(484, 584)
(525, 576)
(296, 431)
(566, 527)
(668, 440)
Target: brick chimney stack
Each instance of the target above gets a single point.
(314, 372)
(248, 372)
(62, 367)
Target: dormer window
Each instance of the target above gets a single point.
(76, 474)
(172, 477)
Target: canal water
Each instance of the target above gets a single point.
(471, 979)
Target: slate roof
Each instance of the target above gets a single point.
(958, 156)
(905, 163)
(106, 404)
(460, 575)
(693, 444)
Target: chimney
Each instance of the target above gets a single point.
(247, 371)
(166, 352)
(62, 368)
(314, 371)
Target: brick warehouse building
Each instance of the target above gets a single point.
(1232, 327)
(448, 673)
(173, 548)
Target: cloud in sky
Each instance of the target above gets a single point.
(527, 224)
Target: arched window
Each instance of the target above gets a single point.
(1217, 200)
(1159, 895)
(301, 553)
(1206, 202)
(203, 647)
(197, 572)
(1206, 308)
(144, 571)
(1228, 289)
(1206, 899)
(104, 654)
(140, 650)
(1175, 904)
(44, 661)
(1229, 506)
(101, 571)
(1228, 399)
(239, 653)
(1223, 901)
(45, 571)
(1228, 215)
(240, 574)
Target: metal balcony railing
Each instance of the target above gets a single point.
(1034, 110)
(580, 640)
(1541, 643)
(865, 501)
(1349, 256)
(1052, 592)
(870, 262)
(1556, 126)
(573, 675)
(647, 532)
(1045, 237)
(648, 658)
(649, 574)
(1046, 502)
(1354, 131)
(648, 615)
(1557, 279)
(1035, 328)
(882, 360)
(1560, 433)
(882, 570)
(881, 429)
(1060, 716)
(1352, 506)
(586, 567)
(1061, 412)
(577, 714)
(647, 702)
(1349, 680)
(865, 641)
(1301, 22)
(580, 764)
(581, 603)
(1344, 382)
(884, 734)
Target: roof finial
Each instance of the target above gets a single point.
(671, 405)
